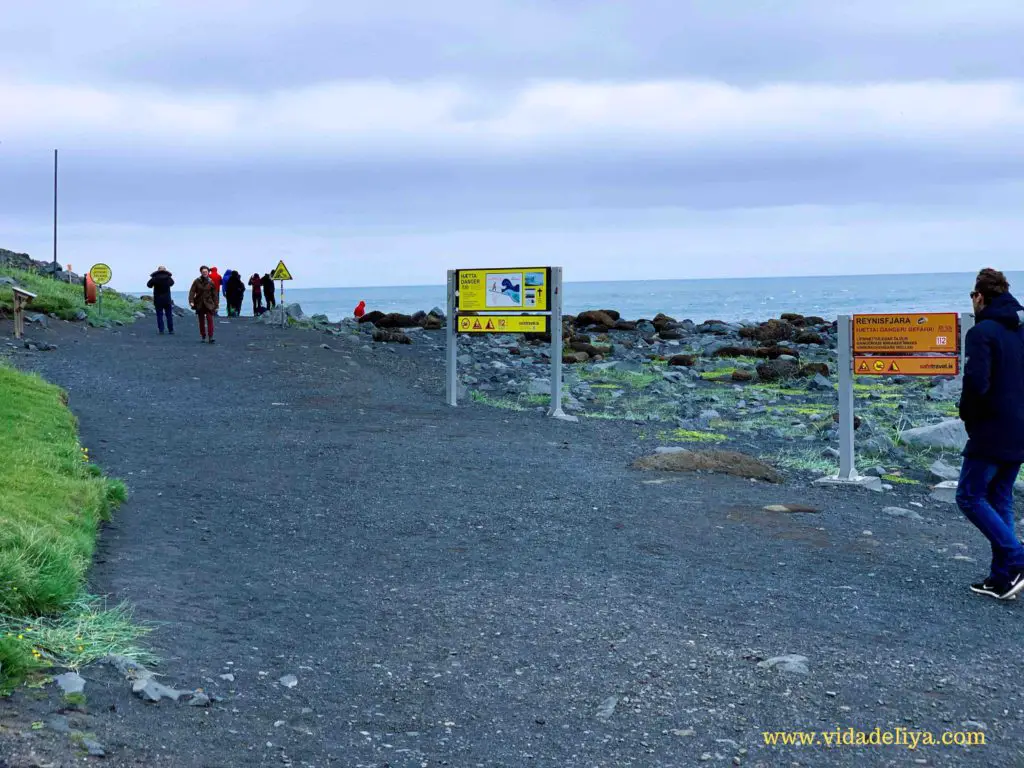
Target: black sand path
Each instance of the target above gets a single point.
(477, 587)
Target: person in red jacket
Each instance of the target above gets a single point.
(360, 310)
(217, 279)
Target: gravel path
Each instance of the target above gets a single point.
(475, 587)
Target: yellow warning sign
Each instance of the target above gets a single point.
(490, 290)
(506, 324)
(101, 274)
(281, 272)
(905, 333)
(947, 365)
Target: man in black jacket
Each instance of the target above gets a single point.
(992, 409)
(161, 282)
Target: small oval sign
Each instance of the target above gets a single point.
(100, 274)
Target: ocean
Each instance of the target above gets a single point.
(698, 300)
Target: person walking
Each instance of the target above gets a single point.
(204, 298)
(268, 291)
(360, 310)
(161, 282)
(992, 409)
(256, 284)
(225, 279)
(234, 289)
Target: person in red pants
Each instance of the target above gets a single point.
(204, 298)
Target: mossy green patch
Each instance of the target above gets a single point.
(66, 299)
(692, 436)
(900, 480)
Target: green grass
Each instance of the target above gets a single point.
(612, 376)
(805, 460)
(521, 402)
(66, 299)
(692, 436)
(52, 501)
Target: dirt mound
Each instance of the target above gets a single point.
(722, 462)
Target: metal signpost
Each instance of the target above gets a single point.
(101, 275)
(906, 344)
(507, 300)
(281, 274)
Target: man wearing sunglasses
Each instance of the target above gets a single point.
(992, 409)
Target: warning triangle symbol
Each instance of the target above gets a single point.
(894, 368)
(281, 272)
(490, 325)
(863, 366)
(476, 325)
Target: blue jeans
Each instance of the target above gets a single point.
(985, 496)
(160, 313)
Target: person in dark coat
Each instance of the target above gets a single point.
(256, 283)
(268, 291)
(992, 409)
(234, 290)
(204, 298)
(161, 282)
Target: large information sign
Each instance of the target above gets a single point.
(506, 300)
(901, 334)
(490, 290)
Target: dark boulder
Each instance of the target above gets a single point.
(733, 352)
(392, 337)
(662, 321)
(777, 370)
(775, 352)
(590, 349)
(687, 361)
(768, 333)
(670, 334)
(396, 320)
(624, 325)
(597, 317)
(742, 376)
(371, 317)
(809, 337)
(797, 321)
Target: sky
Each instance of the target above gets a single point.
(382, 143)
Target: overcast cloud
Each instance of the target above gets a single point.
(382, 143)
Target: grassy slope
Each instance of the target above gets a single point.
(66, 299)
(51, 503)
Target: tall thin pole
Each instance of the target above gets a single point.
(55, 268)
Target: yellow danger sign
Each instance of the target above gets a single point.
(898, 334)
(281, 272)
(503, 324)
(101, 274)
(490, 290)
(947, 365)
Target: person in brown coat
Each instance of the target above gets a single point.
(204, 298)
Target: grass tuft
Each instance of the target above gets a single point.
(52, 500)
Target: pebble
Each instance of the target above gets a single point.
(607, 708)
(289, 681)
(229, 677)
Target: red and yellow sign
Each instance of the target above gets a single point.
(907, 366)
(899, 334)
(503, 324)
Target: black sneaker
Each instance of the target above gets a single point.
(211, 339)
(202, 340)
(988, 588)
(1013, 586)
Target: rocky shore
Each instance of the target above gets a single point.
(767, 388)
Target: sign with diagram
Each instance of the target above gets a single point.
(503, 324)
(907, 366)
(281, 272)
(900, 334)
(490, 290)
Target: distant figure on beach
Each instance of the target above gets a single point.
(217, 279)
(992, 409)
(204, 298)
(234, 290)
(256, 283)
(360, 309)
(268, 291)
(161, 282)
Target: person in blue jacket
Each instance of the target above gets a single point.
(992, 409)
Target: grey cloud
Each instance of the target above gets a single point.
(275, 45)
